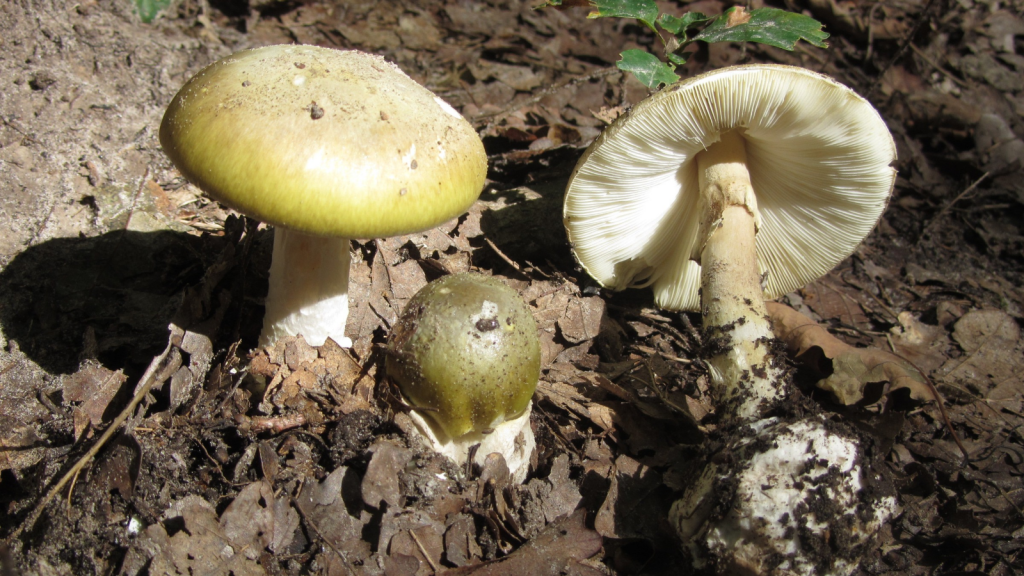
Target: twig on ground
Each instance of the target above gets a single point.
(276, 424)
(546, 92)
(1005, 496)
(940, 403)
(507, 260)
(935, 65)
(135, 199)
(904, 44)
(947, 207)
(423, 551)
(154, 373)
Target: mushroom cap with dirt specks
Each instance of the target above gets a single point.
(466, 349)
(326, 142)
(820, 160)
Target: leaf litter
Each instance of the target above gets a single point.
(298, 458)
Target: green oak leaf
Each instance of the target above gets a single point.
(148, 9)
(645, 11)
(679, 25)
(772, 26)
(678, 58)
(647, 68)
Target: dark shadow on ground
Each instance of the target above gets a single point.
(109, 297)
(529, 229)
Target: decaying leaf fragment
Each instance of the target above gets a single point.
(94, 386)
(851, 368)
(254, 521)
(558, 549)
(990, 340)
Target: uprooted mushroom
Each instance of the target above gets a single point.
(740, 184)
(721, 190)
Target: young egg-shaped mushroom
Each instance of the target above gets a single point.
(743, 183)
(466, 355)
(326, 145)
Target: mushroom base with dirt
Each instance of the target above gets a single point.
(798, 498)
(719, 191)
(745, 377)
(513, 439)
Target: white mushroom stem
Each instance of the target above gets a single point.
(513, 439)
(308, 292)
(745, 377)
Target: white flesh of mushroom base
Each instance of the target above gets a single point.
(513, 439)
(797, 507)
(308, 292)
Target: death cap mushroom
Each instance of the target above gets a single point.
(820, 161)
(746, 181)
(326, 145)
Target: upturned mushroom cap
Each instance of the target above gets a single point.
(327, 142)
(820, 160)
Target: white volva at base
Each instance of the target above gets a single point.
(512, 439)
(798, 487)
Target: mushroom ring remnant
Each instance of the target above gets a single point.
(465, 351)
(326, 145)
(721, 190)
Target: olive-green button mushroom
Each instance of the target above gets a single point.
(326, 145)
(742, 183)
(465, 353)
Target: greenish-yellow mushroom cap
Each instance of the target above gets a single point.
(466, 350)
(323, 141)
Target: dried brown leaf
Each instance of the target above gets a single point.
(922, 344)
(399, 564)
(833, 302)
(256, 519)
(94, 386)
(381, 483)
(631, 501)
(555, 551)
(564, 495)
(425, 544)
(203, 547)
(851, 368)
(993, 360)
(362, 320)
(582, 319)
(564, 396)
(406, 280)
(460, 545)
(335, 509)
(381, 295)
(298, 354)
